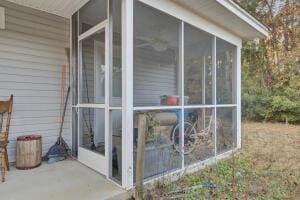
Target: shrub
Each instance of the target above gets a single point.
(277, 105)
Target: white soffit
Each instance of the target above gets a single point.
(228, 15)
(63, 8)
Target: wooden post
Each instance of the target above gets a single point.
(140, 156)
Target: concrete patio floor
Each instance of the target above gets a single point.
(66, 180)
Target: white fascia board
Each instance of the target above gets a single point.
(245, 16)
(187, 16)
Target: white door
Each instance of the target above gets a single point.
(93, 104)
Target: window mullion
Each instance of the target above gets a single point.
(214, 81)
(181, 55)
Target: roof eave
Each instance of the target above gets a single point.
(234, 8)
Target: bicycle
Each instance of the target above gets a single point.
(192, 137)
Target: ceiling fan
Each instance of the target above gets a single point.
(156, 43)
(155, 40)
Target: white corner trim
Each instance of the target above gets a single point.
(245, 16)
(238, 98)
(2, 18)
(127, 94)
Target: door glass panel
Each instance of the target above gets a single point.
(92, 129)
(74, 132)
(93, 69)
(74, 58)
(116, 70)
(116, 131)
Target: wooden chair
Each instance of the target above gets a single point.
(5, 115)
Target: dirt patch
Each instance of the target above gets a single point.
(267, 167)
(275, 144)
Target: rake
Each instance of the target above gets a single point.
(60, 150)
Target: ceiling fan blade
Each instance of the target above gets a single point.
(143, 45)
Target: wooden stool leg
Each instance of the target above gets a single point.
(3, 167)
(6, 159)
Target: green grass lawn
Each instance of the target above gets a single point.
(267, 167)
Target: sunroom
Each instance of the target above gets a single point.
(155, 68)
(167, 71)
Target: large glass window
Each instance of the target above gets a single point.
(91, 14)
(225, 69)
(156, 58)
(197, 66)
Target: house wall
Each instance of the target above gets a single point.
(32, 51)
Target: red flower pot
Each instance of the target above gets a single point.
(172, 100)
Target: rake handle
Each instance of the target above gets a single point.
(63, 116)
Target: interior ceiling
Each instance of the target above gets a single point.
(63, 8)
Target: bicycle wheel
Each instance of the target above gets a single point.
(189, 142)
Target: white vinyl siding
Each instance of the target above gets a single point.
(32, 51)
